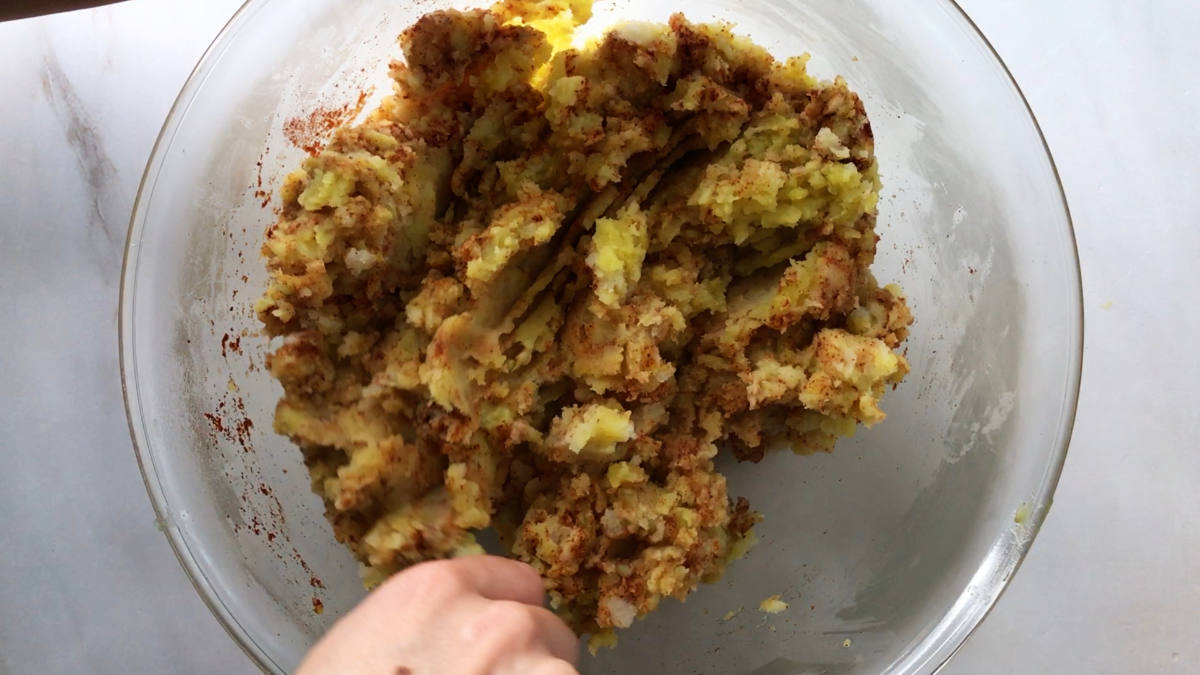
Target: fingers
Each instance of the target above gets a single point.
(559, 639)
(498, 578)
(540, 665)
(475, 615)
(470, 616)
(434, 583)
(553, 667)
(500, 631)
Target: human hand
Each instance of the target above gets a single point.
(478, 615)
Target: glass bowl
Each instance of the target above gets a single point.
(889, 551)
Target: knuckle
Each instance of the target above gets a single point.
(531, 578)
(431, 579)
(513, 619)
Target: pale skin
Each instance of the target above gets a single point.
(479, 615)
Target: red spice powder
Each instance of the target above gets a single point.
(310, 132)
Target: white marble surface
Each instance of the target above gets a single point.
(87, 584)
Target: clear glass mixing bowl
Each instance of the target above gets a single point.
(889, 551)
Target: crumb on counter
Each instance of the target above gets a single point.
(773, 605)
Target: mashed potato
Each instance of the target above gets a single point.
(540, 288)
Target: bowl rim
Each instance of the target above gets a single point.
(928, 654)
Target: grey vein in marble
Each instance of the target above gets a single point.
(94, 163)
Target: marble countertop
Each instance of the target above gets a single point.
(87, 583)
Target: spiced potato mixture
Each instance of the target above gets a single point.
(540, 288)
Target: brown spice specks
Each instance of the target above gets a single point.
(231, 343)
(260, 192)
(217, 424)
(231, 422)
(309, 133)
